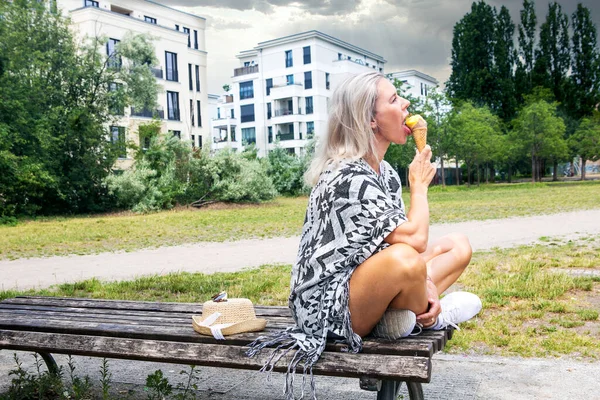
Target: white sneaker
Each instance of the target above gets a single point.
(395, 324)
(457, 307)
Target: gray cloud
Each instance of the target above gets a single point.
(408, 33)
(317, 7)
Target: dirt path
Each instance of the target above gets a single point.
(232, 256)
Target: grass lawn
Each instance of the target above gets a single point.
(282, 217)
(531, 306)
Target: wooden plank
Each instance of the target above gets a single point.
(417, 369)
(195, 308)
(422, 348)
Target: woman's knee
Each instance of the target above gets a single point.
(462, 248)
(406, 262)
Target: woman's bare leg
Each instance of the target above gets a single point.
(393, 278)
(447, 259)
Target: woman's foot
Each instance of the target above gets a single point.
(395, 324)
(457, 307)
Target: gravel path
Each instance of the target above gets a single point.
(233, 256)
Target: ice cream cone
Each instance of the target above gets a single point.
(418, 127)
(420, 136)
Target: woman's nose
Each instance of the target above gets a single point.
(405, 104)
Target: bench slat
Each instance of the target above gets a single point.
(194, 308)
(417, 369)
(185, 333)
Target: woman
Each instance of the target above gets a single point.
(361, 257)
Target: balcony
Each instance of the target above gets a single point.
(158, 113)
(224, 122)
(157, 72)
(286, 91)
(252, 69)
(285, 136)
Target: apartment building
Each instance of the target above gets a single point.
(280, 92)
(179, 41)
(416, 83)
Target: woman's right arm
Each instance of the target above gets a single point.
(415, 231)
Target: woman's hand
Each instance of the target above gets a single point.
(429, 317)
(421, 171)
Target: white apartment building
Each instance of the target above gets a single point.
(179, 41)
(416, 83)
(282, 88)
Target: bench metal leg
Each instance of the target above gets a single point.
(50, 363)
(389, 390)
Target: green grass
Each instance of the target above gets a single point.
(282, 217)
(528, 310)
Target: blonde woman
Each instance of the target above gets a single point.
(365, 265)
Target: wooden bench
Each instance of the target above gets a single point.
(162, 332)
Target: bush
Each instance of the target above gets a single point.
(287, 171)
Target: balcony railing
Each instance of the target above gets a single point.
(157, 72)
(148, 113)
(285, 136)
(252, 69)
(284, 111)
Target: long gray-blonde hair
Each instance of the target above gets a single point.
(349, 134)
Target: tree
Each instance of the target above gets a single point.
(541, 133)
(553, 55)
(585, 75)
(586, 141)
(437, 109)
(523, 74)
(57, 103)
(505, 57)
(477, 133)
(472, 77)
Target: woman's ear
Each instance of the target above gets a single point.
(373, 124)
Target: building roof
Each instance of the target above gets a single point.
(308, 35)
(413, 72)
(175, 9)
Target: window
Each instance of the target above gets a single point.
(289, 79)
(176, 134)
(306, 51)
(247, 113)
(248, 136)
(145, 142)
(117, 138)
(308, 80)
(192, 113)
(309, 105)
(327, 84)
(232, 113)
(197, 78)
(177, 27)
(191, 82)
(115, 108)
(173, 106)
(380, 69)
(269, 85)
(339, 56)
(196, 39)
(246, 63)
(200, 141)
(171, 63)
(187, 30)
(89, 3)
(310, 130)
(114, 60)
(270, 134)
(193, 137)
(349, 58)
(246, 90)
(198, 110)
(150, 19)
(269, 111)
(288, 59)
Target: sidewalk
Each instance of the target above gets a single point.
(233, 256)
(454, 377)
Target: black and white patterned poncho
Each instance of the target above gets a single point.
(350, 212)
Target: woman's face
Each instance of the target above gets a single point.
(390, 113)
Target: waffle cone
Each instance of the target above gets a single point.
(420, 136)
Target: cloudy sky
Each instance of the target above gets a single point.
(409, 34)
